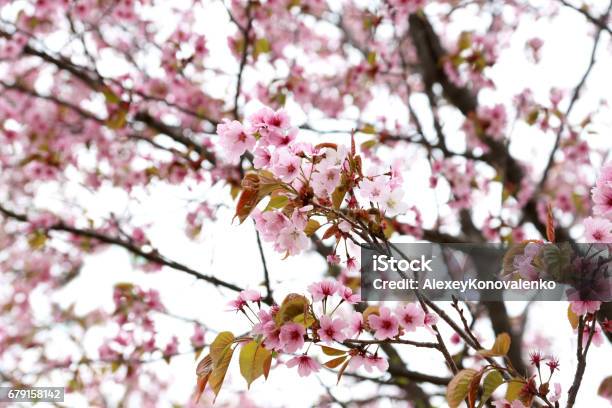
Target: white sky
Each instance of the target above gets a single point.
(230, 251)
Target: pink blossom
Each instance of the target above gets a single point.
(602, 199)
(430, 320)
(306, 365)
(345, 226)
(286, 165)
(292, 238)
(505, 404)
(583, 307)
(410, 316)
(368, 362)
(324, 182)
(264, 317)
(332, 329)
(197, 338)
(323, 289)
(292, 337)
(261, 157)
(171, 348)
(348, 296)
(333, 259)
(372, 190)
(352, 264)
(355, 326)
(554, 397)
(385, 324)
(598, 338)
(378, 362)
(597, 230)
(234, 140)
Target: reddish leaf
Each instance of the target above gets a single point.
(550, 224)
(335, 362)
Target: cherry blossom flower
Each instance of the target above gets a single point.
(385, 324)
(286, 165)
(355, 326)
(556, 395)
(234, 140)
(391, 202)
(323, 289)
(583, 307)
(505, 404)
(410, 316)
(597, 339)
(332, 330)
(197, 338)
(602, 198)
(292, 337)
(348, 296)
(597, 230)
(306, 365)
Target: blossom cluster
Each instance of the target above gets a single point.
(299, 322)
(306, 180)
(598, 229)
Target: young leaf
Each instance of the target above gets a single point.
(572, 317)
(346, 363)
(220, 345)
(332, 351)
(306, 321)
(276, 202)
(202, 381)
(205, 366)
(220, 369)
(457, 389)
(515, 386)
(493, 380)
(473, 389)
(335, 362)
(311, 227)
(605, 388)
(267, 365)
(292, 306)
(252, 360)
(500, 348)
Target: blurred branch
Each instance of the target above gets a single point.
(599, 22)
(570, 107)
(152, 256)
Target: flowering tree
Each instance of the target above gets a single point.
(106, 99)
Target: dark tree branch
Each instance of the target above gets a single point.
(152, 256)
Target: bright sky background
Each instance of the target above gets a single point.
(230, 252)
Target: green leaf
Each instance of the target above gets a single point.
(557, 258)
(371, 57)
(262, 46)
(37, 240)
(500, 348)
(304, 321)
(253, 357)
(277, 202)
(515, 386)
(220, 369)
(311, 227)
(293, 305)
(220, 345)
(493, 380)
(457, 389)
